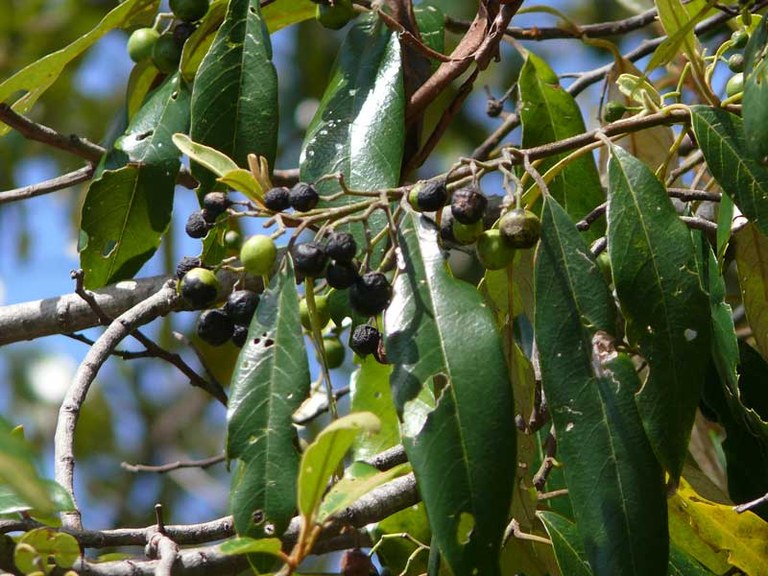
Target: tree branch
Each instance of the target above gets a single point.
(59, 183)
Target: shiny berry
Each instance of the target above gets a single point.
(186, 264)
(468, 205)
(241, 306)
(215, 204)
(428, 196)
(233, 240)
(493, 251)
(309, 259)
(215, 327)
(278, 199)
(166, 54)
(334, 352)
(736, 63)
(189, 10)
(520, 228)
(739, 38)
(197, 226)
(140, 43)
(341, 275)
(336, 16)
(735, 84)
(613, 111)
(239, 336)
(303, 197)
(258, 254)
(370, 294)
(199, 287)
(321, 309)
(364, 340)
(341, 246)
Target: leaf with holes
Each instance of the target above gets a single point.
(270, 382)
(447, 364)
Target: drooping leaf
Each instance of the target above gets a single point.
(667, 312)
(566, 541)
(234, 99)
(615, 483)
(128, 210)
(324, 455)
(270, 382)
(720, 135)
(33, 80)
(451, 387)
(548, 113)
(212, 159)
(751, 250)
(370, 392)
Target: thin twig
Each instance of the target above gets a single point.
(59, 183)
(752, 504)
(179, 464)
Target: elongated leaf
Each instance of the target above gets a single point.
(442, 341)
(324, 455)
(197, 45)
(566, 541)
(720, 135)
(678, 22)
(33, 80)
(128, 210)
(245, 545)
(667, 312)
(283, 13)
(549, 113)
(234, 100)
(754, 108)
(751, 249)
(681, 564)
(615, 483)
(270, 382)
(211, 158)
(370, 392)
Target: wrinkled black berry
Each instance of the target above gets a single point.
(199, 287)
(196, 226)
(428, 196)
(186, 264)
(309, 259)
(278, 199)
(468, 205)
(182, 31)
(370, 294)
(341, 275)
(239, 336)
(215, 204)
(303, 197)
(341, 246)
(215, 327)
(364, 340)
(494, 107)
(241, 305)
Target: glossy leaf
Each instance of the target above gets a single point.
(197, 45)
(615, 484)
(243, 181)
(128, 210)
(667, 312)
(370, 392)
(679, 22)
(234, 100)
(721, 137)
(245, 545)
(754, 107)
(443, 344)
(566, 541)
(270, 382)
(33, 80)
(751, 250)
(549, 113)
(283, 13)
(13, 501)
(206, 156)
(324, 455)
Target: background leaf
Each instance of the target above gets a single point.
(370, 392)
(751, 251)
(566, 541)
(442, 341)
(270, 382)
(667, 312)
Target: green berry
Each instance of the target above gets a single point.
(735, 84)
(428, 196)
(321, 307)
(494, 253)
(215, 327)
(466, 233)
(140, 43)
(199, 287)
(613, 111)
(233, 240)
(520, 228)
(166, 54)
(258, 255)
(336, 16)
(334, 352)
(736, 63)
(468, 205)
(739, 38)
(189, 10)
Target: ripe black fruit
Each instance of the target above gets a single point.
(215, 327)
(309, 259)
(199, 287)
(215, 204)
(341, 275)
(239, 336)
(520, 228)
(371, 293)
(196, 226)
(428, 196)
(182, 31)
(468, 205)
(303, 197)
(186, 264)
(364, 340)
(341, 246)
(241, 305)
(278, 199)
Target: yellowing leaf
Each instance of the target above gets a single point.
(717, 536)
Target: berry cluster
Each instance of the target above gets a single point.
(201, 221)
(229, 322)
(302, 197)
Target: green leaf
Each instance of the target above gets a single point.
(270, 382)
(720, 135)
(33, 80)
(548, 113)
(283, 13)
(45, 544)
(370, 392)
(323, 456)
(243, 181)
(198, 44)
(12, 502)
(245, 545)
(128, 210)
(393, 552)
(234, 99)
(443, 343)
(667, 312)
(615, 484)
(211, 158)
(566, 541)
(680, 564)
(751, 250)
(678, 22)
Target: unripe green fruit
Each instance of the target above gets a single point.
(336, 16)
(141, 42)
(739, 38)
(466, 233)
(736, 63)
(321, 307)
(604, 263)
(199, 287)
(613, 111)
(166, 54)
(189, 10)
(233, 240)
(735, 84)
(520, 228)
(334, 352)
(258, 255)
(493, 251)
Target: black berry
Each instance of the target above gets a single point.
(215, 204)
(364, 340)
(341, 275)
(371, 293)
(199, 287)
(215, 327)
(341, 246)
(241, 305)
(182, 31)
(239, 336)
(309, 259)
(196, 227)
(468, 205)
(303, 197)
(278, 199)
(428, 196)
(186, 264)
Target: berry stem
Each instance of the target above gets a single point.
(317, 339)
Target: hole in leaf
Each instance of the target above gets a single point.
(252, 10)
(257, 517)
(144, 135)
(256, 340)
(464, 528)
(109, 248)
(268, 342)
